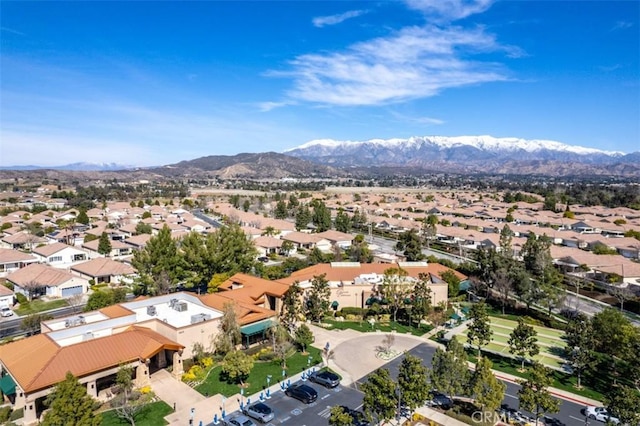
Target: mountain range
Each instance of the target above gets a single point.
(327, 158)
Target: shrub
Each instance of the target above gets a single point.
(349, 310)
(145, 390)
(5, 413)
(17, 414)
(22, 299)
(207, 362)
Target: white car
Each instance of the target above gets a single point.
(5, 311)
(601, 414)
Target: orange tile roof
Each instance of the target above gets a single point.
(49, 363)
(246, 313)
(42, 274)
(115, 311)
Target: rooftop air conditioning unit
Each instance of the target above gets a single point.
(180, 306)
(151, 311)
(67, 323)
(200, 318)
(172, 303)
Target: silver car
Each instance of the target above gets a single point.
(259, 411)
(239, 420)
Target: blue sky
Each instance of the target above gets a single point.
(150, 83)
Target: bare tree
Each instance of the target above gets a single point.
(503, 284)
(75, 301)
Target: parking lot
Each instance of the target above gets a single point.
(290, 411)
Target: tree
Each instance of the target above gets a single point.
(229, 331)
(421, 303)
(479, 330)
(126, 407)
(104, 245)
(503, 284)
(523, 341)
(359, 250)
(449, 369)
(317, 303)
(534, 394)
(340, 417)
(286, 247)
(291, 309)
(303, 217)
(413, 383)
(75, 301)
(159, 256)
(279, 341)
(304, 337)
(99, 299)
(320, 216)
(82, 217)
(613, 332)
(343, 221)
(379, 398)
(580, 342)
(70, 404)
(487, 390)
(429, 229)
(31, 323)
(624, 401)
(395, 289)
(410, 245)
(236, 366)
(143, 228)
(280, 211)
(452, 281)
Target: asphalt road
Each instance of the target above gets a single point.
(290, 411)
(569, 414)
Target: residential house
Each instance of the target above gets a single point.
(303, 241)
(337, 239)
(104, 270)
(22, 240)
(59, 255)
(119, 249)
(267, 245)
(37, 280)
(12, 260)
(7, 297)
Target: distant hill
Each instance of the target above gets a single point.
(269, 165)
(79, 167)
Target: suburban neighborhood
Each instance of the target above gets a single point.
(208, 291)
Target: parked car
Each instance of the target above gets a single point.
(239, 420)
(6, 311)
(358, 418)
(325, 378)
(601, 414)
(302, 392)
(440, 400)
(259, 411)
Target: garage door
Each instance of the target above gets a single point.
(70, 291)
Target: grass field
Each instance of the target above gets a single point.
(151, 415)
(551, 342)
(257, 379)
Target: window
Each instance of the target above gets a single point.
(55, 259)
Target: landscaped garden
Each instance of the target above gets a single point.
(150, 415)
(365, 326)
(215, 383)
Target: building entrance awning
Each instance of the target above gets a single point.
(256, 327)
(7, 385)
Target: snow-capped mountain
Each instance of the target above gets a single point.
(427, 151)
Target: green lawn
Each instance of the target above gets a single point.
(151, 415)
(36, 306)
(560, 380)
(257, 380)
(364, 326)
(542, 331)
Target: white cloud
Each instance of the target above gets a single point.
(415, 62)
(622, 25)
(322, 21)
(268, 106)
(449, 9)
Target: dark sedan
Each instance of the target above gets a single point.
(325, 378)
(302, 392)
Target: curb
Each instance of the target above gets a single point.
(562, 395)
